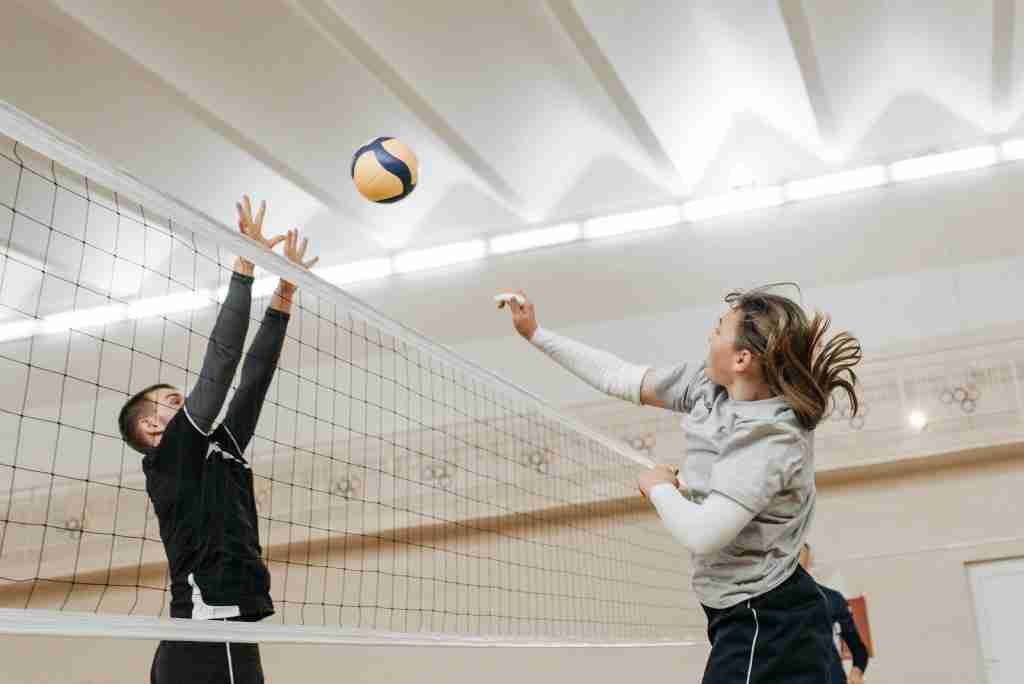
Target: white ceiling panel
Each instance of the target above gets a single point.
(902, 76)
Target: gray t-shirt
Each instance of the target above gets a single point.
(757, 454)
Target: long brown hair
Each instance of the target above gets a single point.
(796, 360)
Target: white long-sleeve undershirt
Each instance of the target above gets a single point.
(702, 528)
(599, 369)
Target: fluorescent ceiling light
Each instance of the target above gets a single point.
(83, 318)
(168, 304)
(617, 224)
(367, 269)
(422, 259)
(1013, 149)
(529, 239)
(261, 287)
(835, 183)
(948, 162)
(19, 330)
(733, 203)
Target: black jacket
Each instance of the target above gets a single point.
(199, 481)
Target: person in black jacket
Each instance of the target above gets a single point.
(844, 628)
(199, 481)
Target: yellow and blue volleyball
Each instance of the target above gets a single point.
(384, 170)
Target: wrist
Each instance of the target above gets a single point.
(244, 266)
(661, 489)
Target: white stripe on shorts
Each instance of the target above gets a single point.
(753, 645)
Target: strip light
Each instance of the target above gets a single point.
(446, 255)
(19, 330)
(169, 304)
(836, 183)
(595, 228)
(947, 162)
(368, 269)
(733, 203)
(1012, 149)
(82, 318)
(619, 224)
(531, 239)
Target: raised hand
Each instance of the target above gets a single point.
(295, 252)
(655, 476)
(524, 317)
(252, 226)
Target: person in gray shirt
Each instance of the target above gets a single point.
(746, 499)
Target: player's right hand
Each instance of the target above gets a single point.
(524, 318)
(252, 226)
(652, 477)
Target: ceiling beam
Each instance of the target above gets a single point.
(595, 58)
(326, 21)
(799, 30)
(1003, 20)
(215, 123)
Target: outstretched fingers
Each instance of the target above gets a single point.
(260, 213)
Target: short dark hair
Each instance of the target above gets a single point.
(132, 410)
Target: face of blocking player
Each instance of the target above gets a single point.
(165, 403)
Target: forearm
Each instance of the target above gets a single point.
(599, 369)
(704, 528)
(223, 352)
(848, 632)
(257, 372)
(858, 650)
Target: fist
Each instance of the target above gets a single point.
(657, 475)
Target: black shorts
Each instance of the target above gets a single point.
(206, 662)
(784, 636)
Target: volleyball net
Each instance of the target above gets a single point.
(404, 494)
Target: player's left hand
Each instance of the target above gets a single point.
(657, 475)
(856, 676)
(295, 252)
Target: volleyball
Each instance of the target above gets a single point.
(384, 170)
